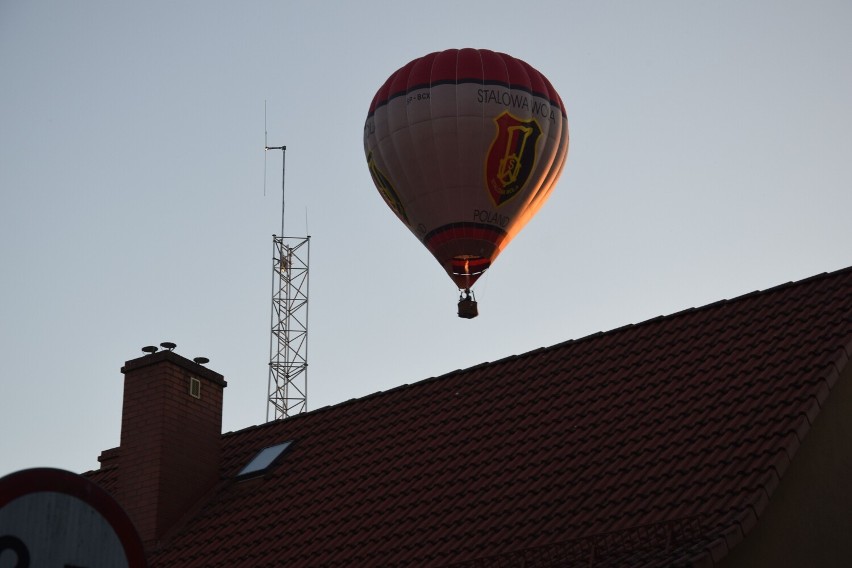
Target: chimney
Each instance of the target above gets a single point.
(171, 432)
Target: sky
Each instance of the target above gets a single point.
(710, 156)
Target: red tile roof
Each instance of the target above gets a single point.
(653, 444)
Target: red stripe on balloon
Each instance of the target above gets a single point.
(455, 231)
(457, 66)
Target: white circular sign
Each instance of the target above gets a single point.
(50, 517)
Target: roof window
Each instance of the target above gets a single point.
(264, 459)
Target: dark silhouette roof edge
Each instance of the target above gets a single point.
(559, 345)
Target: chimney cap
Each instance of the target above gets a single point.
(194, 368)
(150, 349)
(168, 345)
(201, 360)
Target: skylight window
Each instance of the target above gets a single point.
(264, 459)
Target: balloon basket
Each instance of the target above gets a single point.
(467, 307)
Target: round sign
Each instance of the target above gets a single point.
(50, 517)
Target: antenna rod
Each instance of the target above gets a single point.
(266, 148)
(283, 168)
(265, 144)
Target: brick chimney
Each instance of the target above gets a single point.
(171, 432)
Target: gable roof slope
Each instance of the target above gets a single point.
(653, 444)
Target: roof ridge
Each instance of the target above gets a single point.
(537, 350)
(717, 303)
(341, 404)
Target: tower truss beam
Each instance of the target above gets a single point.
(288, 347)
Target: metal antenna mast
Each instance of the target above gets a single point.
(288, 344)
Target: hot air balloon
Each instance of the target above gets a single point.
(465, 146)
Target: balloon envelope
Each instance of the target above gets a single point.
(465, 146)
